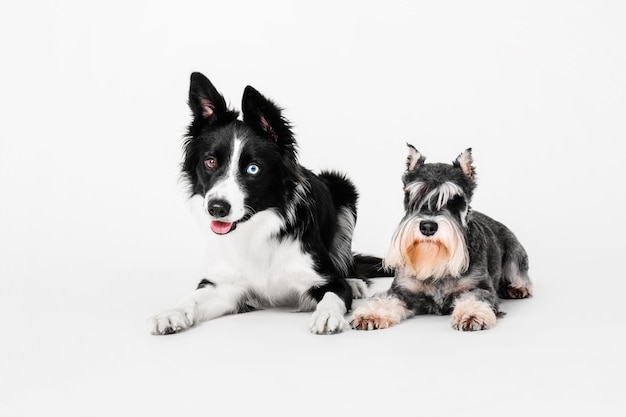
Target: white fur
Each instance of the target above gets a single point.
(472, 314)
(516, 278)
(414, 189)
(414, 158)
(250, 261)
(444, 192)
(255, 261)
(299, 195)
(448, 233)
(329, 315)
(380, 313)
(447, 190)
(251, 264)
(341, 252)
(228, 187)
(464, 214)
(465, 160)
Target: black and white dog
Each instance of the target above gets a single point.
(448, 258)
(284, 234)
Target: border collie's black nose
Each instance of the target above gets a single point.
(219, 208)
(428, 228)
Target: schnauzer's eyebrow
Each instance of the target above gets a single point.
(444, 192)
(447, 190)
(415, 189)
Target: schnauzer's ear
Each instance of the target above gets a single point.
(204, 100)
(265, 117)
(465, 161)
(415, 159)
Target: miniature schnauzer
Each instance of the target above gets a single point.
(448, 259)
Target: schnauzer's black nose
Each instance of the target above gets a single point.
(428, 228)
(219, 208)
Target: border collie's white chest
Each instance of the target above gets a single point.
(276, 270)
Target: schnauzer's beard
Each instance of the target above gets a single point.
(443, 254)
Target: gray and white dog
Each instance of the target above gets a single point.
(448, 259)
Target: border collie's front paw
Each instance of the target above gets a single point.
(327, 322)
(172, 321)
(328, 315)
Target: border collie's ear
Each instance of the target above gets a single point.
(204, 100)
(465, 161)
(415, 159)
(265, 117)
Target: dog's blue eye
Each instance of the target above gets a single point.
(253, 169)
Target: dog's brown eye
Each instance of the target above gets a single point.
(210, 162)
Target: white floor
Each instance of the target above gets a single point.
(87, 351)
(95, 235)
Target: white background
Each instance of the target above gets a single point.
(96, 234)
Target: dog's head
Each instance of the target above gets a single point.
(239, 167)
(430, 240)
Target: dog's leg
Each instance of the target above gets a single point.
(358, 286)
(328, 316)
(474, 310)
(207, 302)
(516, 283)
(380, 313)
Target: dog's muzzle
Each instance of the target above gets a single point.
(219, 209)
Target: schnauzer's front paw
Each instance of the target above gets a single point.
(369, 322)
(172, 321)
(379, 313)
(472, 315)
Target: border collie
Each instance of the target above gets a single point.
(283, 235)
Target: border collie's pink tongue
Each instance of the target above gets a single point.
(221, 227)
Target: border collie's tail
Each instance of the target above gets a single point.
(366, 266)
